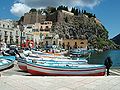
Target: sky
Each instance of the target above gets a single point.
(107, 11)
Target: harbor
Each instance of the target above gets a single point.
(59, 45)
(56, 60)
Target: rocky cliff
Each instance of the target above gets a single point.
(81, 26)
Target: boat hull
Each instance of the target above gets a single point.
(6, 66)
(41, 70)
(22, 64)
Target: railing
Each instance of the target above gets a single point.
(6, 28)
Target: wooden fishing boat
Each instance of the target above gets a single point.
(22, 62)
(6, 62)
(36, 68)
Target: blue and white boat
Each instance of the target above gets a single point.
(64, 69)
(6, 62)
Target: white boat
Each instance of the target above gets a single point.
(54, 69)
(6, 62)
(22, 62)
(37, 55)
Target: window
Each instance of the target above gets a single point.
(54, 43)
(0, 33)
(27, 38)
(82, 43)
(23, 33)
(3, 25)
(5, 32)
(29, 27)
(16, 32)
(75, 46)
(75, 43)
(46, 26)
(41, 27)
(10, 33)
(46, 43)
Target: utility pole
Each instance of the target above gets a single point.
(21, 29)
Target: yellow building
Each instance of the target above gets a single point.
(66, 43)
(74, 43)
(41, 30)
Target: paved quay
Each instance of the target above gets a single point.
(17, 82)
(15, 79)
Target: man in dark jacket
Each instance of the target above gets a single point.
(108, 63)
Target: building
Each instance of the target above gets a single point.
(59, 16)
(52, 39)
(27, 35)
(8, 32)
(41, 30)
(74, 43)
(65, 43)
(33, 17)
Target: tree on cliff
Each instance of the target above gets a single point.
(62, 8)
(33, 10)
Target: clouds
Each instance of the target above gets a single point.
(25, 5)
(89, 3)
(44, 3)
(19, 9)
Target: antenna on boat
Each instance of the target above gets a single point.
(89, 56)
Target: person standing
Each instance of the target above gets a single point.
(108, 63)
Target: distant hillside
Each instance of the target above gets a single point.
(116, 39)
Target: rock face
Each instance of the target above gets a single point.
(81, 26)
(116, 39)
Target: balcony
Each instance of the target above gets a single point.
(11, 36)
(47, 29)
(6, 35)
(17, 36)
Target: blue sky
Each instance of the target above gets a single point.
(107, 11)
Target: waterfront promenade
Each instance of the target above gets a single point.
(15, 79)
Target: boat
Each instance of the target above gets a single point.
(80, 53)
(54, 69)
(37, 55)
(22, 62)
(6, 62)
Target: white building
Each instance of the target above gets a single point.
(8, 32)
(27, 32)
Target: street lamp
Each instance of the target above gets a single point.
(21, 29)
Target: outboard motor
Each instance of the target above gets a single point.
(11, 52)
